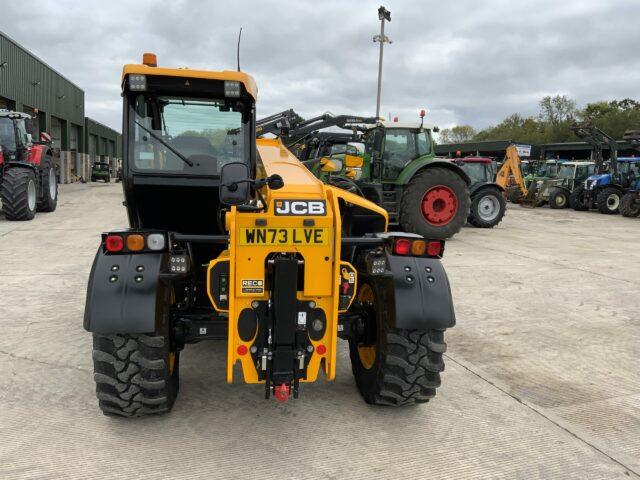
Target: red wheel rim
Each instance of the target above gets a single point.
(439, 205)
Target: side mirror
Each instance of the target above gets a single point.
(28, 138)
(353, 161)
(234, 184)
(354, 156)
(436, 129)
(330, 166)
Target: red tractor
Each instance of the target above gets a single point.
(28, 180)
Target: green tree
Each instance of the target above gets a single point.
(614, 117)
(557, 110)
(457, 134)
(557, 114)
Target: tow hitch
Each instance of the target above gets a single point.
(281, 392)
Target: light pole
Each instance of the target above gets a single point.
(383, 14)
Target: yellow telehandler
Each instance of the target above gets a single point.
(232, 238)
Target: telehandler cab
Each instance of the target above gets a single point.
(232, 238)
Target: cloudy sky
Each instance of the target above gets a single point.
(466, 61)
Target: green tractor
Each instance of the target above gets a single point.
(398, 169)
(542, 171)
(541, 175)
(570, 175)
(100, 171)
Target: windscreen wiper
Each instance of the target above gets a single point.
(173, 150)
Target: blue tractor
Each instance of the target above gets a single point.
(604, 190)
(630, 203)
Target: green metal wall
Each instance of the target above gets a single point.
(54, 94)
(108, 140)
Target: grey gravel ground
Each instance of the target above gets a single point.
(542, 377)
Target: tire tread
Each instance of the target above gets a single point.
(14, 193)
(129, 371)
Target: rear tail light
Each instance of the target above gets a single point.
(135, 242)
(126, 242)
(434, 249)
(418, 247)
(402, 246)
(1, 157)
(114, 243)
(156, 242)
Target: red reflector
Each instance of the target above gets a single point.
(434, 249)
(281, 392)
(242, 350)
(321, 349)
(402, 246)
(114, 243)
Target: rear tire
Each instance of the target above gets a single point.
(19, 193)
(558, 199)
(576, 200)
(404, 367)
(135, 374)
(630, 205)
(49, 200)
(487, 208)
(449, 218)
(608, 201)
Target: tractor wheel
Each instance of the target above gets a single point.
(435, 204)
(558, 199)
(576, 200)
(630, 205)
(135, 375)
(394, 367)
(49, 200)
(108, 180)
(487, 208)
(19, 193)
(93, 179)
(608, 201)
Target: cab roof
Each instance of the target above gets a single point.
(12, 114)
(140, 69)
(572, 163)
(407, 125)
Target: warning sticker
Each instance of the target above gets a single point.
(252, 286)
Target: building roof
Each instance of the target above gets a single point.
(35, 57)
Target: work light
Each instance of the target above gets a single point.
(231, 88)
(138, 83)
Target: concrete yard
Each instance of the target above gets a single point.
(542, 376)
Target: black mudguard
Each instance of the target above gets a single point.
(476, 187)
(125, 305)
(418, 294)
